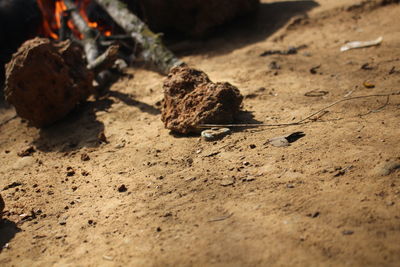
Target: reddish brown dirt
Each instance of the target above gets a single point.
(332, 198)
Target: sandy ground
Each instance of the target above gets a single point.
(332, 198)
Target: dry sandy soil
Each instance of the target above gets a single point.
(332, 198)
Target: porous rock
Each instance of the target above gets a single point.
(191, 99)
(45, 80)
(1, 207)
(194, 17)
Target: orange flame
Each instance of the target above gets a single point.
(53, 10)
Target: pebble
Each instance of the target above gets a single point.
(348, 232)
(227, 181)
(214, 133)
(122, 188)
(388, 168)
(280, 141)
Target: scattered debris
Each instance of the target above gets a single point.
(283, 141)
(45, 80)
(215, 133)
(292, 50)
(361, 44)
(316, 93)
(191, 99)
(368, 84)
(313, 70)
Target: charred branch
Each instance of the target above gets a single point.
(89, 34)
(153, 49)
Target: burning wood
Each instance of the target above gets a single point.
(153, 49)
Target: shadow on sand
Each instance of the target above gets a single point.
(268, 19)
(8, 230)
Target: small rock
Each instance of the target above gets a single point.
(248, 179)
(102, 138)
(85, 157)
(252, 146)
(290, 186)
(368, 84)
(26, 151)
(215, 133)
(274, 65)
(70, 172)
(348, 232)
(388, 168)
(279, 141)
(118, 146)
(122, 188)
(227, 182)
(313, 215)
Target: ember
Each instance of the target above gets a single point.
(57, 18)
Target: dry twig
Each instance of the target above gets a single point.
(302, 121)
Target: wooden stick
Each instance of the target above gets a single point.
(89, 34)
(105, 60)
(153, 49)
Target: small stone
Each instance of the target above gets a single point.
(388, 168)
(85, 157)
(158, 229)
(122, 188)
(26, 151)
(102, 138)
(348, 232)
(279, 141)
(119, 146)
(70, 172)
(314, 214)
(290, 186)
(248, 179)
(252, 146)
(227, 182)
(215, 133)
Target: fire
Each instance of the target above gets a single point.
(54, 11)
